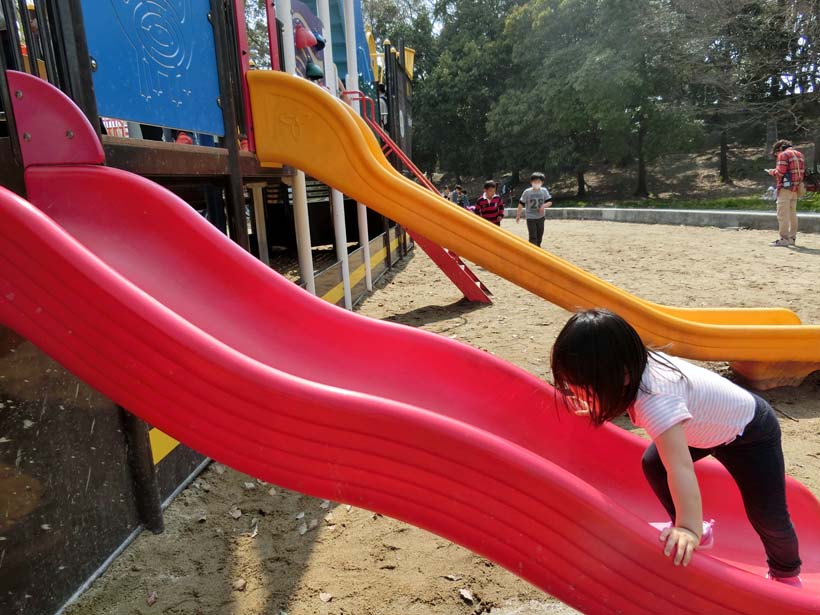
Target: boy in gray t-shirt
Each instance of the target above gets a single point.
(534, 200)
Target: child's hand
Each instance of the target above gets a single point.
(517, 218)
(682, 541)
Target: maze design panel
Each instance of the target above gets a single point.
(155, 62)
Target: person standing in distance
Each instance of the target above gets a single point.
(534, 200)
(789, 173)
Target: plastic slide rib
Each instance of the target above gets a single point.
(128, 287)
(300, 124)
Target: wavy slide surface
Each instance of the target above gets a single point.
(300, 124)
(245, 367)
(128, 287)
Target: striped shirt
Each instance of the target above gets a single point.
(490, 209)
(713, 410)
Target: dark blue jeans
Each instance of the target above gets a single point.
(755, 461)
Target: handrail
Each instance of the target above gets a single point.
(359, 96)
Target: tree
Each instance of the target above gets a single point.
(453, 100)
(759, 67)
(407, 22)
(541, 121)
(595, 91)
(256, 21)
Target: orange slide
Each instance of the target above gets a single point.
(300, 124)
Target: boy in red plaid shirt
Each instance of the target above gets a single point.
(789, 173)
(490, 206)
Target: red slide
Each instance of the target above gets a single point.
(128, 287)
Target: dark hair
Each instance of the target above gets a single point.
(601, 354)
(781, 145)
(490, 184)
(458, 187)
(537, 175)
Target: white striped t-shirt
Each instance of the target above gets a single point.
(712, 409)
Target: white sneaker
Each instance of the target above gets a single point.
(781, 243)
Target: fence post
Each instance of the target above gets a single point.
(143, 471)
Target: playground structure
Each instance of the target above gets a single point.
(209, 355)
(200, 92)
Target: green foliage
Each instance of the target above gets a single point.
(406, 21)
(559, 85)
(585, 90)
(452, 101)
(256, 21)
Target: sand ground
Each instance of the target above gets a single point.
(289, 554)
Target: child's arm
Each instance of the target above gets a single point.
(518, 211)
(684, 538)
(547, 202)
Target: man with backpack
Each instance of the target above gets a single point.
(789, 172)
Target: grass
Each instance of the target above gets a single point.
(811, 202)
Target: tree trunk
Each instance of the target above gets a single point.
(771, 137)
(814, 166)
(642, 189)
(516, 177)
(724, 157)
(582, 185)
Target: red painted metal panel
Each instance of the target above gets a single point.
(52, 129)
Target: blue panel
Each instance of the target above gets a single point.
(362, 50)
(156, 62)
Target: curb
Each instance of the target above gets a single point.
(808, 222)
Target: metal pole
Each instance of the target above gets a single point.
(237, 220)
(143, 471)
(301, 221)
(13, 34)
(31, 47)
(78, 66)
(5, 102)
(301, 217)
(285, 13)
(336, 198)
(352, 83)
(45, 28)
(259, 218)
